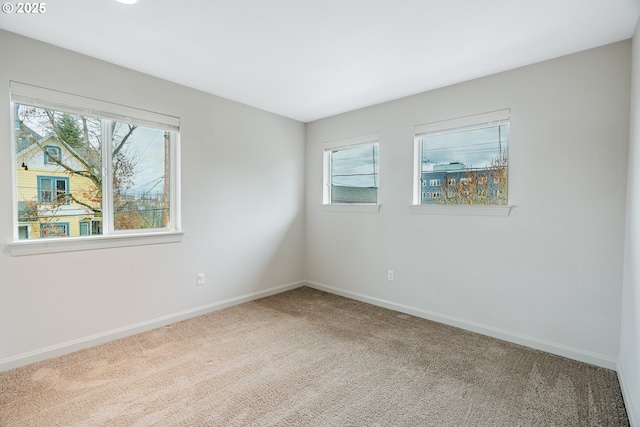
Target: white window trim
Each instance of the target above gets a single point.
(85, 243)
(447, 126)
(23, 93)
(476, 121)
(346, 143)
(38, 96)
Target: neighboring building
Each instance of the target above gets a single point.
(455, 183)
(50, 200)
(346, 194)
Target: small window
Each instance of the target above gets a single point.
(52, 155)
(24, 231)
(351, 171)
(466, 159)
(85, 228)
(96, 227)
(56, 229)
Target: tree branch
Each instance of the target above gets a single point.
(95, 177)
(86, 205)
(124, 139)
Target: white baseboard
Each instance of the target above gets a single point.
(103, 337)
(505, 335)
(633, 411)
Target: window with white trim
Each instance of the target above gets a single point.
(52, 154)
(85, 167)
(351, 171)
(464, 161)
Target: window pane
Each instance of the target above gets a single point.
(140, 177)
(84, 229)
(45, 190)
(23, 232)
(354, 174)
(61, 191)
(96, 227)
(54, 230)
(53, 198)
(52, 154)
(465, 167)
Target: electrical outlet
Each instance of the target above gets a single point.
(200, 278)
(390, 275)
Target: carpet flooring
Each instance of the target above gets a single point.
(308, 358)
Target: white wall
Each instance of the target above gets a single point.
(629, 368)
(242, 211)
(550, 274)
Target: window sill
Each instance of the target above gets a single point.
(462, 210)
(352, 207)
(71, 244)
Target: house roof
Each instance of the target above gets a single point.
(25, 145)
(25, 137)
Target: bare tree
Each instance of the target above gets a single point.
(477, 186)
(80, 140)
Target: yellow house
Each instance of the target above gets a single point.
(51, 201)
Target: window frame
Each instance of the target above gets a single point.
(330, 147)
(27, 228)
(26, 94)
(52, 225)
(47, 156)
(54, 188)
(448, 126)
(87, 225)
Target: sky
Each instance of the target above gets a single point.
(355, 166)
(473, 148)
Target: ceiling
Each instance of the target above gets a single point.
(309, 59)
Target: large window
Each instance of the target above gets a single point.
(90, 168)
(351, 171)
(463, 161)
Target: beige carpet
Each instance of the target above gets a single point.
(307, 358)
